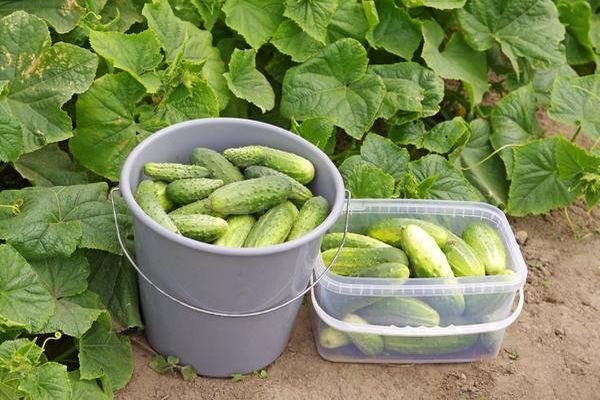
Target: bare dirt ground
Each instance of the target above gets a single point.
(551, 352)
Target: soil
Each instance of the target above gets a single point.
(551, 352)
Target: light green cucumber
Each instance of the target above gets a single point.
(447, 305)
(311, 215)
(170, 172)
(352, 260)
(462, 258)
(200, 227)
(245, 156)
(239, 227)
(331, 338)
(185, 191)
(369, 344)
(219, 166)
(389, 230)
(161, 192)
(149, 202)
(197, 207)
(250, 196)
(334, 240)
(385, 270)
(299, 194)
(487, 245)
(400, 311)
(273, 227)
(429, 346)
(426, 257)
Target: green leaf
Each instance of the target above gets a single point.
(383, 153)
(102, 352)
(159, 364)
(576, 15)
(442, 138)
(576, 101)
(49, 166)
(23, 297)
(456, 61)
(409, 87)
(318, 131)
(246, 82)
(107, 130)
(86, 389)
(255, 20)
(334, 84)
(188, 373)
(544, 78)
(527, 29)
(370, 10)
(210, 11)
(38, 79)
(62, 15)
(290, 39)
(488, 177)
(313, 16)
(396, 31)
(444, 181)
(113, 278)
(514, 122)
(182, 104)
(369, 181)
(439, 4)
(536, 186)
(575, 163)
(348, 165)
(136, 53)
(348, 21)
(48, 381)
(122, 14)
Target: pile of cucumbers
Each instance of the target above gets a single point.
(251, 196)
(405, 248)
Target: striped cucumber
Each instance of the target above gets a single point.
(148, 201)
(197, 207)
(462, 258)
(251, 196)
(487, 245)
(185, 191)
(311, 215)
(161, 192)
(389, 230)
(426, 346)
(400, 311)
(426, 257)
(170, 172)
(239, 227)
(273, 227)
(200, 227)
(385, 270)
(368, 343)
(334, 240)
(331, 338)
(299, 194)
(219, 166)
(352, 260)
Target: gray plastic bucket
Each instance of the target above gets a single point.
(186, 277)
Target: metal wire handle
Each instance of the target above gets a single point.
(223, 314)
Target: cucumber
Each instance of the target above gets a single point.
(148, 201)
(311, 215)
(161, 192)
(300, 193)
(200, 227)
(170, 172)
(487, 245)
(333, 241)
(352, 260)
(368, 343)
(429, 346)
(219, 166)
(273, 227)
(197, 207)
(251, 196)
(448, 305)
(290, 164)
(426, 257)
(385, 270)
(239, 227)
(185, 191)
(389, 230)
(331, 338)
(400, 311)
(462, 258)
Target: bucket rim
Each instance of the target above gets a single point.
(138, 213)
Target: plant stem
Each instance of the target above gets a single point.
(576, 134)
(143, 345)
(506, 146)
(64, 354)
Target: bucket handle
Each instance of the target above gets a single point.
(224, 314)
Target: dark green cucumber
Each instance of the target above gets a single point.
(352, 260)
(251, 196)
(333, 241)
(400, 311)
(273, 227)
(239, 227)
(311, 215)
(148, 201)
(428, 346)
(385, 270)
(462, 258)
(185, 191)
(426, 257)
(219, 166)
(487, 245)
(161, 192)
(368, 343)
(197, 207)
(170, 172)
(389, 230)
(200, 227)
(299, 194)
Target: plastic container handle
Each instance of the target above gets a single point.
(423, 331)
(224, 314)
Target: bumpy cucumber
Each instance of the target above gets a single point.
(161, 192)
(200, 227)
(239, 227)
(426, 257)
(273, 227)
(462, 258)
(389, 230)
(331, 338)
(400, 311)
(219, 166)
(300, 193)
(369, 344)
(170, 172)
(447, 305)
(426, 346)
(251, 196)
(148, 200)
(487, 245)
(185, 191)
(311, 215)
(197, 207)
(245, 156)
(385, 270)
(352, 260)
(333, 241)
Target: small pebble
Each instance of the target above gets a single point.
(521, 237)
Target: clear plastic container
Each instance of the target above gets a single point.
(473, 311)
